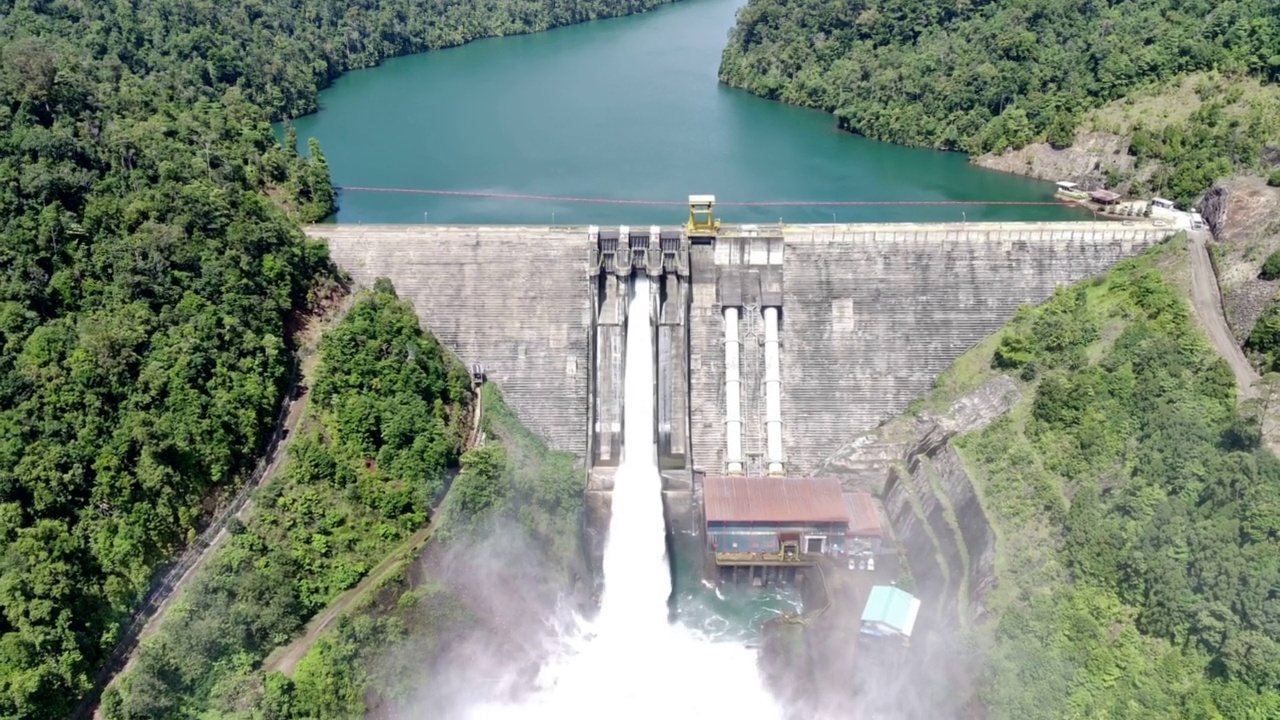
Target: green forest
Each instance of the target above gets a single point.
(388, 416)
(381, 443)
(1138, 514)
(989, 75)
(151, 269)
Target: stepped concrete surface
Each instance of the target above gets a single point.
(515, 299)
(870, 315)
(706, 365)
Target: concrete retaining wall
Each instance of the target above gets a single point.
(873, 314)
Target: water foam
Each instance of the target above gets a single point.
(631, 661)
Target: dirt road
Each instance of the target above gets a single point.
(1206, 298)
(287, 659)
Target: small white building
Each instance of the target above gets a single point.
(890, 613)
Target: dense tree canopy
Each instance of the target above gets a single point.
(389, 414)
(985, 75)
(389, 411)
(145, 280)
(150, 258)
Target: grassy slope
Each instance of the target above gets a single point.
(1172, 138)
(1158, 106)
(1248, 109)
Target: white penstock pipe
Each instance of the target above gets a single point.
(773, 390)
(732, 392)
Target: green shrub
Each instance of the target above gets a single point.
(1264, 339)
(383, 389)
(1271, 267)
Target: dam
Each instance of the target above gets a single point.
(773, 344)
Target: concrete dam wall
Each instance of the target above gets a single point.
(775, 345)
(513, 299)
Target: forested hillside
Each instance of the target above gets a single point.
(1137, 514)
(379, 653)
(150, 260)
(989, 75)
(389, 413)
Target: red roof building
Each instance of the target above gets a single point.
(1104, 197)
(739, 499)
(865, 518)
(865, 532)
(773, 520)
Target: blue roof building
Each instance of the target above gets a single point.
(890, 612)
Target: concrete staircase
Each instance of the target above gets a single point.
(706, 366)
(871, 318)
(754, 446)
(515, 299)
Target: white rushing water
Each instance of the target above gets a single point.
(631, 661)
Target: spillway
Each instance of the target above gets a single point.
(632, 660)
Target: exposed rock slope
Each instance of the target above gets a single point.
(1244, 214)
(1085, 161)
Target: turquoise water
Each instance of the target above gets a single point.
(730, 612)
(625, 109)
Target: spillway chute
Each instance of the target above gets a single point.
(631, 660)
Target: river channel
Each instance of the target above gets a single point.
(621, 109)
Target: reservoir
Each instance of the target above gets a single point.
(627, 109)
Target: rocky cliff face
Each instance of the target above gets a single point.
(1085, 162)
(1244, 214)
(930, 501)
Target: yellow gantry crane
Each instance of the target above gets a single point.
(702, 222)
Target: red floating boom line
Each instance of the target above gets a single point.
(674, 203)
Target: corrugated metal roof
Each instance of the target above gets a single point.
(893, 607)
(733, 498)
(862, 509)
